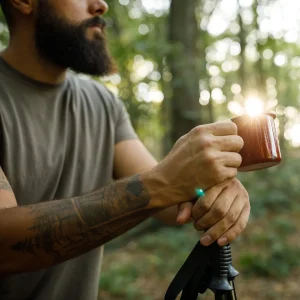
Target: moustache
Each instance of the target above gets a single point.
(96, 21)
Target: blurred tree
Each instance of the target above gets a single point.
(3, 31)
(184, 106)
(242, 40)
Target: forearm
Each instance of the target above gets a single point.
(38, 236)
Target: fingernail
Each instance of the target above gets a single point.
(206, 240)
(223, 241)
(180, 212)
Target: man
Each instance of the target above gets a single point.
(64, 138)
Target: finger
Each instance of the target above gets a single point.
(204, 204)
(229, 173)
(230, 143)
(231, 159)
(222, 128)
(184, 213)
(231, 234)
(220, 228)
(219, 210)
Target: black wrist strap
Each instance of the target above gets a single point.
(190, 275)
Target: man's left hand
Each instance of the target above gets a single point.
(223, 211)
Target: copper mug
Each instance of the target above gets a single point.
(261, 146)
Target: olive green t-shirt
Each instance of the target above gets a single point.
(57, 141)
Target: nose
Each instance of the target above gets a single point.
(98, 7)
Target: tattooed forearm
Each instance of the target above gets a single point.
(100, 207)
(4, 185)
(52, 232)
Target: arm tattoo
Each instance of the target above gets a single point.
(93, 212)
(4, 185)
(67, 228)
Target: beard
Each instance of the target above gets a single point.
(67, 46)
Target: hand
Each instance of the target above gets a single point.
(204, 157)
(223, 211)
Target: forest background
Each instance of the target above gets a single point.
(191, 62)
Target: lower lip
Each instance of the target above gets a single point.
(96, 28)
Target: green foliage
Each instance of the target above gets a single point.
(3, 31)
(120, 279)
(129, 46)
(151, 255)
(275, 189)
(270, 252)
(283, 226)
(171, 244)
(277, 261)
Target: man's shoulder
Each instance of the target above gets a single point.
(96, 91)
(86, 83)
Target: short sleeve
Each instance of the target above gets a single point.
(124, 128)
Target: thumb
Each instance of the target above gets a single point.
(184, 212)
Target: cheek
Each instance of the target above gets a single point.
(75, 11)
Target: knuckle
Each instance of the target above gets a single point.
(220, 212)
(180, 141)
(231, 218)
(221, 175)
(242, 226)
(198, 130)
(206, 142)
(209, 157)
(204, 206)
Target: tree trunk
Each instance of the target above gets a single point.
(243, 43)
(184, 103)
(261, 76)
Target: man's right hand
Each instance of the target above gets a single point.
(204, 157)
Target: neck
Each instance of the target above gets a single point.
(22, 55)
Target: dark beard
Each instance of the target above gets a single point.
(66, 45)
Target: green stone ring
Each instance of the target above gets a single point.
(200, 193)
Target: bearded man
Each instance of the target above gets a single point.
(74, 174)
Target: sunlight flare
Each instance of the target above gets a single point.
(254, 107)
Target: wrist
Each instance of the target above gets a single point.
(156, 185)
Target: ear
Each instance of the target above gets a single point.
(23, 6)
